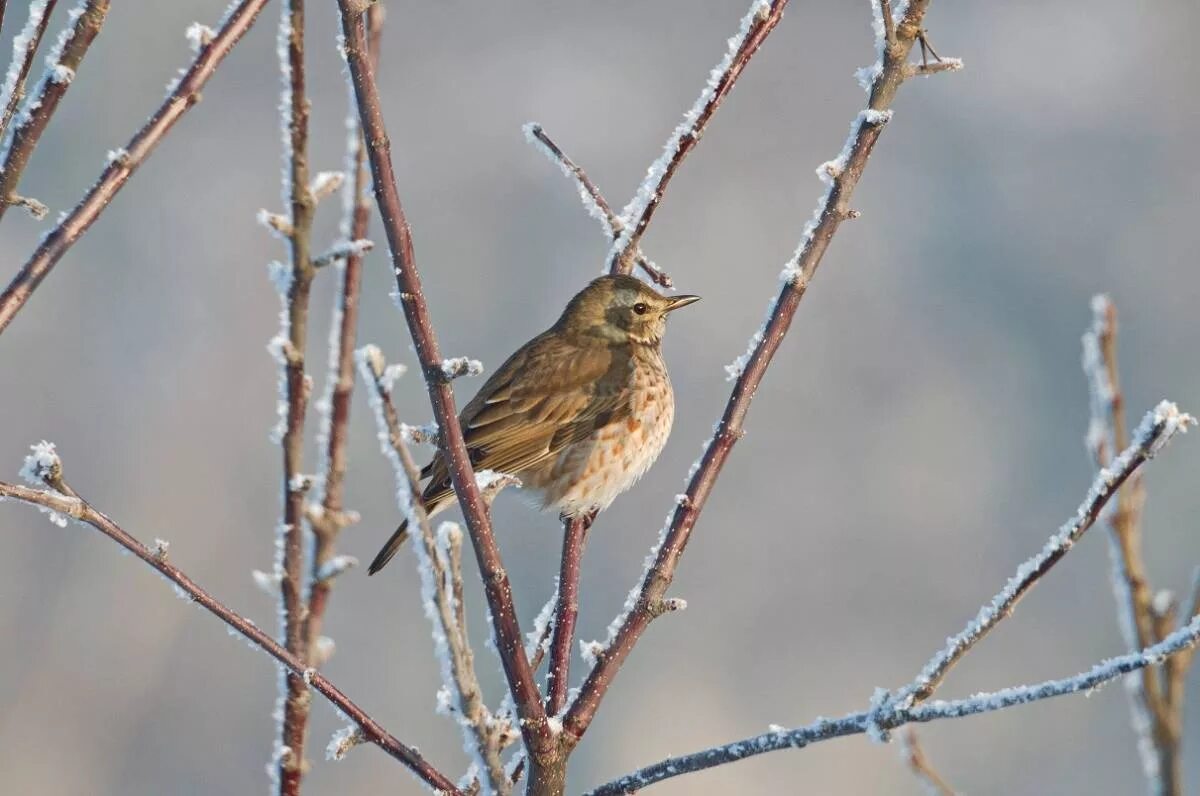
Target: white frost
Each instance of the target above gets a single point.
(40, 463)
(342, 742)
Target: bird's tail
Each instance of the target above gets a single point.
(397, 539)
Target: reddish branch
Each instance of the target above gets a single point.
(833, 210)
(125, 161)
(333, 516)
(534, 726)
(766, 17)
(36, 116)
(575, 532)
(71, 505)
(298, 386)
(25, 60)
(611, 221)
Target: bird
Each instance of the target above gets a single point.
(579, 413)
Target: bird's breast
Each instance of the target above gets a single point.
(591, 473)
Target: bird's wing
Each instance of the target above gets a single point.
(548, 395)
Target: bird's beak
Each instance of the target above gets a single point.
(680, 301)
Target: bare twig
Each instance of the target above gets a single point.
(539, 739)
(1156, 695)
(597, 206)
(294, 588)
(123, 162)
(1158, 427)
(920, 766)
(79, 509)
(25, 47)
(758, 23)
(864, 722)
(889, 711)
(63, 62)
(748, 373)
(575, 530)
(439, 562)
(335, 405)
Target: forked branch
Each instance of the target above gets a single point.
(62, 501)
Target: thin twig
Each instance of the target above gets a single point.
(1155, 694)
(833, 209)
(597, 206)
(441, 574)
(889, 711)
(758, 23)
(864, 722)
(81, 510)
(25, 47)
(62, 64)
(297, 385)
(1158, 427)
(123, 162)
(575, 530)
(535, 728)
(335, 406)
(920, 766)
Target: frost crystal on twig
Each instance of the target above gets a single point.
(454, 367)
(343, 741)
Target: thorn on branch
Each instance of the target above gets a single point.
(36, 209)
(667, 606)
(278, 224)
(160, 549)
(343, 741)
(325, 184)
(456, 367)
(199, 36)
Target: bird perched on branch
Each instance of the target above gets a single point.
(578, 413)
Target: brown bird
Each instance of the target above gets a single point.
(578, 413)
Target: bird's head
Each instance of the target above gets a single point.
(620, 310)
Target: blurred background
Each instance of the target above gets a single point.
(920, 432)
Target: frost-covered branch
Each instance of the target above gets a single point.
(535, 728)
(439, 563)
(1156, 695)
(758, 23)
(870, 721)
(331, 515)
(1156, 430)
(61, 503)
(181, 95)
(295, 386)
(593, 201)
(61, 65)
(646, 600)
(889, 711)
(24, 48)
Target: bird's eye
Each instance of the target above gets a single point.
(640, 308)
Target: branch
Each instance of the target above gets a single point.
(182, 95)
(534, 726)
(296, 385)
(1155, 431)
(62, 64)
(890, 711)
(575, 530)
(1154, 704)
(593, 201)
(439, 560)
(867, 721)
(920, 766)
(79, 509)
(841, 176)
(758, 23)
(25, 47)
(334, 405)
